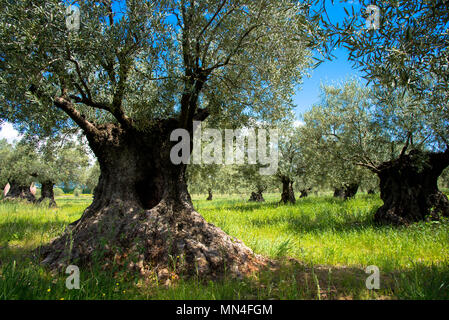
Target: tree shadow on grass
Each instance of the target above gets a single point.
(270, 204)
(21, 229)
(420, 281)
(290, 279)
(320, 222)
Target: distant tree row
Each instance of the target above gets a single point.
(50, 161)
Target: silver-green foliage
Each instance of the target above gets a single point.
(134, 61)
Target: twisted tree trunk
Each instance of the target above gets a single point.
(256, 197)
(20, 191)
(209, 198)
(346, 191)
(47, 193)
(142, 215)
(304, 192)
(288, 195)
(409, 188)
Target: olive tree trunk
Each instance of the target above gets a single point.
(304, 192)
(142, 215)
(20, 191)
(47, 193)
(409, 188)
(347, 191)
(209, 197)
(288, 195)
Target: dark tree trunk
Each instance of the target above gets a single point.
(409, 189)
(304, 192)
(288, 196)
(47, 193)
(18, 191)
(142, 215)
(256, 197)
(346, 191)
(209, 198)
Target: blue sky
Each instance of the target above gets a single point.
(329, 71)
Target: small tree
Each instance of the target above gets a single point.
(60, 160)
(292, 163)
(5, 150)
(19, 169)
(91, 176)
(252, 180)
(211, 178)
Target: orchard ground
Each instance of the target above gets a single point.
(323, 246)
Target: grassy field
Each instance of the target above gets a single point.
(323, 244)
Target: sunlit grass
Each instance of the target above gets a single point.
(333, 240)
(324, 230)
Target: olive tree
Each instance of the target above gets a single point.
(131, 74)
(293, 166)
(60, 160)
(90, 177)
(253, 181)
(211, 178)
(405, 54)
(19, 169)
(373, 129)
(330, 157)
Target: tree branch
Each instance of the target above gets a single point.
(67, 106)
(404, 149)
(369, 166)
(234, 51)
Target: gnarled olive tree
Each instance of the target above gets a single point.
(405, 53)
(19, 165)
(388, 136)
(60, 160)
(132, 73)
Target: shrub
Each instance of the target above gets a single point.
(77, 192)
(58, 191)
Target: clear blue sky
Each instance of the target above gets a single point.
(329, 71)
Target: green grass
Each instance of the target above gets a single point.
(324, 245)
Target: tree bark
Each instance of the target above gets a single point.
(47, 193)
(20, 191)
(288, 195)
(347, 191)
(409, 188)
(256, 197)
(142, 215)
(209, 198)
(304, 192)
